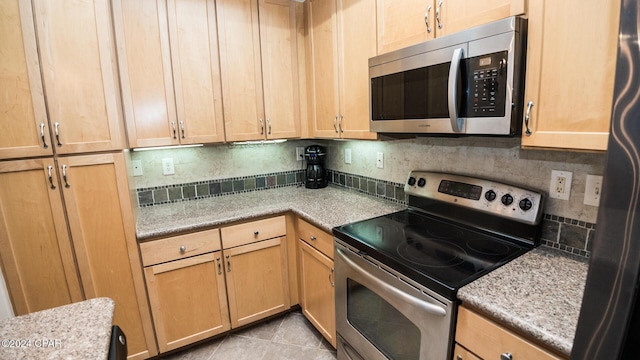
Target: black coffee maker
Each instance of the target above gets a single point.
(316, 177)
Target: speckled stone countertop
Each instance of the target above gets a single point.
(326, 208)
(77, 331)
(539, 293)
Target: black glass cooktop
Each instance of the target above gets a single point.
(436, 253)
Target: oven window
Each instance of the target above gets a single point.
(380, 323)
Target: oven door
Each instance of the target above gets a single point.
(380, 315)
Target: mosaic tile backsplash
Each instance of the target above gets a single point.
(569, 235)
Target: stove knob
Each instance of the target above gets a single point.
(412, 181)
(525, 204)
(422, 182)
(490, 195)
(507, 199)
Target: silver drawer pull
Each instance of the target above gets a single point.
(313, 238)
(183, 249)
(506, 356)
(255, 233)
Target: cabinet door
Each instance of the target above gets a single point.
(278, 43)
(257, 280)
(458, 15)
(188, 300)
(194, 53)
(357, 29)
(147, 82)
(101, 221)
(317, 291)
(80, 78)
(324, 68)
(35, 248)
(570, 84)
(24, 129)
(404, 22)
(240, 64)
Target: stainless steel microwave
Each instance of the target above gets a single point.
(466, 83)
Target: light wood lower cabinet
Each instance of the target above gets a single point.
(37, 255)
(185, 281)
(256, 270)
(317, 288)
(488, 340)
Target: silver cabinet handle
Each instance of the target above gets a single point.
(183, 249)
(49, 168)
(219, 266)
(182, 128)
(331, 278)
(426, 19)
(454, 70)
(340, 124)
(506, 356)
(527, 117)
(228, 263)
(261, 127)
(438, 18)
(255, 233)
(335, 122)
(313, 238)
(64, 176)
(56, 126)
(44, 142)
(173, 127)
(269, 126)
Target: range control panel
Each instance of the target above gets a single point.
(509, 201)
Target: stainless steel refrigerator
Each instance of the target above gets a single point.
(609, 323)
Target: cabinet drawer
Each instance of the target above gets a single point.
(248, 233)
(488, 340)
(159, 251)
(315, 237)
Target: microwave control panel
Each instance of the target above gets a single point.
(487, 85)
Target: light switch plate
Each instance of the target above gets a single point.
(380, 160)
(137, 167)
(592, 190)
(347, 156)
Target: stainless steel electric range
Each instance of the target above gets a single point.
(397, 275)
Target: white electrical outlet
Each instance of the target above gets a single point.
(347, 156)
(167, 166)
(380, 160)
(137, 167)
(560, 186)
(299, 153)
(592, 190)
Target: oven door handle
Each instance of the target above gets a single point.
(389, 290)
(454, 71)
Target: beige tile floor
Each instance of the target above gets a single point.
(286, 337)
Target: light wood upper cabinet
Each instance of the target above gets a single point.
(403, 23)
(24, 128)
(172, 94)
(147, 83)
(258, 59)
(188, 296)
(196, 71)
(343, 38)
(280, 80)
(102, 227)
(35, 247)
(569, 84)
(80, 78)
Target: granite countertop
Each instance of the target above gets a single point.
(77, 331)
(326, 208)
(539, 293)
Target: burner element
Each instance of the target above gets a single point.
(443, 231)
(487, 246)
(431, 252)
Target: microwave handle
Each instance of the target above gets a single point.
(454, 71)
